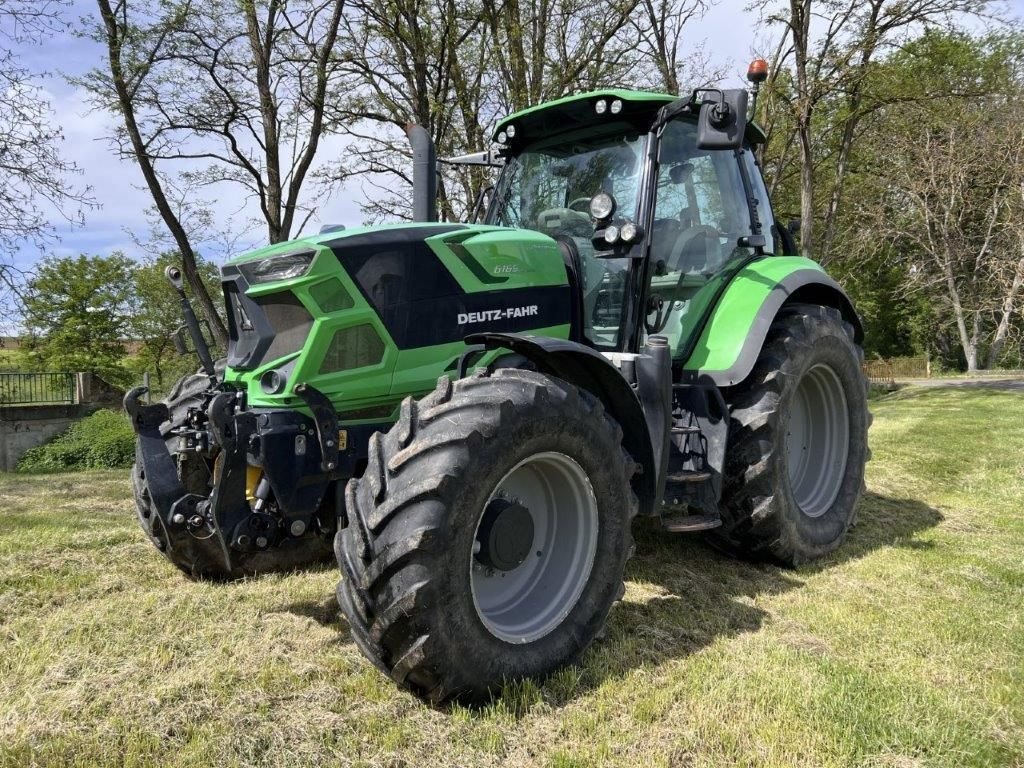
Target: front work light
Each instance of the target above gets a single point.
(283, 267)
(601, 107)
(602, 206)
(616, 106)
(611, 235)
(629, 231)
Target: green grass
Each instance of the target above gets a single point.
(906, 648)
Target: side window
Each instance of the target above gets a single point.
(701, 209)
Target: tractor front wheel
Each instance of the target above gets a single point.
(487, 539)
(794, 469)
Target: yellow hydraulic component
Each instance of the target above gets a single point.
(252, 479)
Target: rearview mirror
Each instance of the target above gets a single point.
(723, 119)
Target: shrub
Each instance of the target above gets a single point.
(104, 440)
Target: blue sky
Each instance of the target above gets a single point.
(728, 31)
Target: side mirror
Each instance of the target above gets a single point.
(793, 227)
(722, 120)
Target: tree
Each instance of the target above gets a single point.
(832, 47)
(947, 196)
(35, 183)
(220, 92)
(76, 311)
(456, 68)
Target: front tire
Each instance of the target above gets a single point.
(794, 469)
(487, 539)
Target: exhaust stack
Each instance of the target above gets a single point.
(424, 173)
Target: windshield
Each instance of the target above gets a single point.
(548, 188)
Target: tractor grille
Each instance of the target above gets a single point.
(289, 321)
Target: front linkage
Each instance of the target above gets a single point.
(270, 471)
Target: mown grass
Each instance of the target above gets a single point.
(906, 648)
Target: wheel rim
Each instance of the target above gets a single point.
(527, 601)
(818, 440)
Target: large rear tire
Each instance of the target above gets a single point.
(794, 469)
(195, 473)
(487, 539)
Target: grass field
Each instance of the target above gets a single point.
(904, 649)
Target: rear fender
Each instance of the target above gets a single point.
(731, 339)
(590, 370)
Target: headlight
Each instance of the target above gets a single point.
(629, 231)
(502, 138)
(601, 107)
(611, 234)
(616, 106)
(283, 267)
(511, 131)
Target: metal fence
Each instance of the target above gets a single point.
(36, 388)
(889, 371)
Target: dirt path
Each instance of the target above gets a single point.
(1013, 384)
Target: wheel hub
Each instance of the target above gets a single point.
(505, 535)
(534, 547)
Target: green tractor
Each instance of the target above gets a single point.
(470, 416)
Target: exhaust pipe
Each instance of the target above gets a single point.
(424, 173)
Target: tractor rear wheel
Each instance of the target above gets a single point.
(487, 539)
(794, 469)
(195, 473)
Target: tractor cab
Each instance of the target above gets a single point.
(650, 216)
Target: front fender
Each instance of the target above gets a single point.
(590, 370)
(733, 335)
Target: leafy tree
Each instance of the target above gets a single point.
(77, 314)
(822, 86)
(942, 188)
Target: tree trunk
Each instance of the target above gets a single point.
(188, 257)
(1002, 330)
(806, 192)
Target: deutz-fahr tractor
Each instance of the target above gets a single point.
(470, 415)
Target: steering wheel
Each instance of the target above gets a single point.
(565, 220)
(683, 242)
(581, 201)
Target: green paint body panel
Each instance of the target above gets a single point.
(732, 319)
(480, 258)
(485, 258)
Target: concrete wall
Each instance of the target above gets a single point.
(24, 427)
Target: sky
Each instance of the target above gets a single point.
(120, 223)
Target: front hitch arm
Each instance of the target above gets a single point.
(175, 508)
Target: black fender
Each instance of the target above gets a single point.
(588, 369)
(803, 286)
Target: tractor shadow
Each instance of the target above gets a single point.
(683, 595)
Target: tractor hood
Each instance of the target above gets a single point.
(342, 310)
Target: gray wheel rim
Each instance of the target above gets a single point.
(528, 602)
(818, 440)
